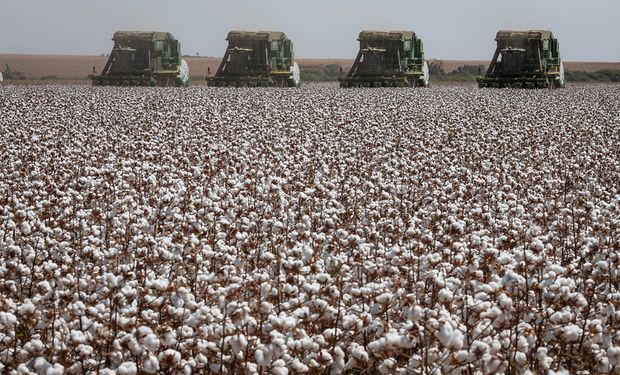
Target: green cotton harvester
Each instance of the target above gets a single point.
(257, 59)
(527, 59)
(144, 58)
(388, 59)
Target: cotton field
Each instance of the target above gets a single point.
(451, 230)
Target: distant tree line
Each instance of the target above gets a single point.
(605, 75)
(463, 73)
(329, 72)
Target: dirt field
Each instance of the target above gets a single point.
(79, 67)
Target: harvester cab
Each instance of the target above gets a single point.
(388, 59)
(144, 59)
(527, 59)
(255, 59)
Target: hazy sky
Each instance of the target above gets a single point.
(450, 29)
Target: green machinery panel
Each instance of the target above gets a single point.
(525, 59)
(388, 59)
(144, 58)
(255, 59)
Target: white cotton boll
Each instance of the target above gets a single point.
(359, 353)
(127, 368)
(504, 301)
(144, 330)
(151, 342)
(338, 359)
(543, 359)
(77, 337)
(298, 366)
(58, 369)
(22, 369)
(7, 320)
(491, 313)
(613, 355)
(387, 366)
(84, 350)
(444, 333)
(457, 340)
(377, 345)
(150, 365)
(187, 331)
(479, 348)
(41, 365)
(384, 298)
(307, 253)
(410, 232)
(279, 368)
(34, 346)
(572, 333)
(238, 343)
(201, 360)
(26, 308)
(262, 359)
(475, 240)
(170, 338)
(463, 356)
(171, 356)
(25, 228)
(325, 358)
(445, 295)
(414, 314)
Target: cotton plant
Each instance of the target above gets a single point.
(316, 230)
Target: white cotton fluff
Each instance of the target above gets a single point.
(572, 332)
(7, 319)
(384, 298)
(338, 359)
(262, 359)
(387, 366)
(463, 356)
(127, 368)
(414, 314)
(22, 369)
(57, 369)
(238, 343)
(41, 365)
(444, 333)
(171, 356)
(359, 353)
(613, 355)
(457, 340)
(84, 350)
(150, 365)
(77, 337)
(25, 228)
(170, 338)
(151, 342)
(279, 368)
(445, 295)
(504, 301)
(298, 366)
(449, 337)
(542, 358)
(559, 372)
(26, 308)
